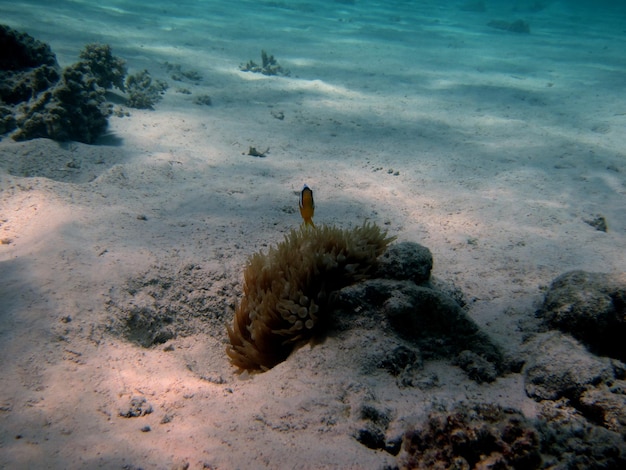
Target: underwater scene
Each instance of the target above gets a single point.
(313, 234)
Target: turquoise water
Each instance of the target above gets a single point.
(416, 85)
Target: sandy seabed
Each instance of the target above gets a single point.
(493, 149)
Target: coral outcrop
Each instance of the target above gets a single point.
(591, 307)
(38, 99)
(143, 91)
(473, 437)
(287, 291)
(559, 366)
(109, 70)
(73, 109)
(44, 101)
(481, 436)
(27, 66)
(402, 297)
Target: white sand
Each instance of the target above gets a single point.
(505, 144)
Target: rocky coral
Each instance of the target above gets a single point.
(425, 317)
(575, 374)
(560, 368)
(287, 291)
(7, 120)
(19, 50)
(591, 307)
(406, 261)
(74, 109)
(143, 91)
(27, 66)
(473, 437)
(44, 101)
(481, 436)
(110, 71)
(41, 100)
(569, 440)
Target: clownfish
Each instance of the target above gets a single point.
(307, 206)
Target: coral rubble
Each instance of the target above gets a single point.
(287, 290)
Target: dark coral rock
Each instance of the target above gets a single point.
(438, 324)
(406, 261)
(568, 440)
(424, 316)
(375, 415)
(478, 436)
(592, 308)
(371, 436)
(7, 120)
(16, 87)
(27, 66)
(74, 109)
(488, 436)
(109, 70)
(19, 51)
(606, 406)
(598, 222)
(373, 433)
(401, 360)
(46, 102)
(138, 407)
(559, 366)
(477, 368)
(143, 91)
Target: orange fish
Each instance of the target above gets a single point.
(307, 206)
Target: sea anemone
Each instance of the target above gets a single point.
(287, 291)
